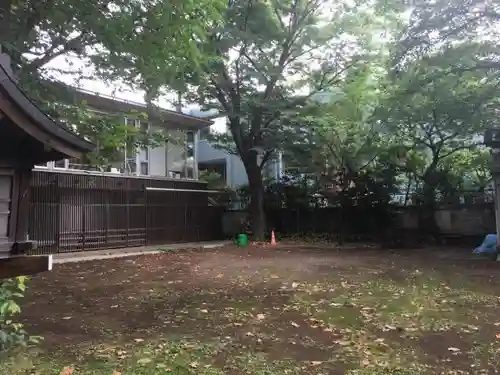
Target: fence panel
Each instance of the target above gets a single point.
(76, 212)
(182, 216)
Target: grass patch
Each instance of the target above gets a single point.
(180, 358)
(174, 358)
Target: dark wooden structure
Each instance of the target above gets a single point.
(27, 137)
(81, 211)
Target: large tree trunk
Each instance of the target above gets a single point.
(427, 217)
(256, 185)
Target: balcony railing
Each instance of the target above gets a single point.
(75, 168)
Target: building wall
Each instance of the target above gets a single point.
(157, 164)
(236, 174)
(235, 170)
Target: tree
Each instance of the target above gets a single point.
(343, 135)
(34, 32)
(349, 154)
(109, 36)
(434, 117)
(472, 167)
(266, 52)
(450, 30)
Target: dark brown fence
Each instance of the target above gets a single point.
(79, 212)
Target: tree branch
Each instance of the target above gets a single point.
(265, 158)
(70, 45)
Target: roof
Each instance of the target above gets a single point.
(113, 104)
(45, 125)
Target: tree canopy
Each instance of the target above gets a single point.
(117, 40)
(334, 86)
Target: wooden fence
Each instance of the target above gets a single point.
(80, 212)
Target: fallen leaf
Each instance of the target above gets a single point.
(453, 349)
(295, 285)
(193, 364)
(497, 335)
(316, 363)
(66, 317)
(204, 311)
(144, 361)
(343, 342)
(138, 340)
(66, 371)
(116, 373)
(261, 316)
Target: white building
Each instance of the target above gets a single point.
(228, 165)
(175, 159)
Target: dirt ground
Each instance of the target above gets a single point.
(291, 309)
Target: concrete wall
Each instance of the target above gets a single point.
(467, 220)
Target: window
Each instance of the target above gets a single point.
(190, 137)
(131, 121)
(205, 132)
(190, 150)
(144, 168)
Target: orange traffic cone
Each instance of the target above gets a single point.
(273, 239)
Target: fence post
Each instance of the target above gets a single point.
(127, 205)
(184, 234)
(107, 213)
(58, 215)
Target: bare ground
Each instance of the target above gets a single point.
(291, 309)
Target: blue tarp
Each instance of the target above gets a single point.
(489, 245)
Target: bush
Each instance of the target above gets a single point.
(12, 334)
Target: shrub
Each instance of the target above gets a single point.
(12, 334)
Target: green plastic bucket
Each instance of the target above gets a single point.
(242, 240)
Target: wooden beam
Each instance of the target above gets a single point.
(24, 265)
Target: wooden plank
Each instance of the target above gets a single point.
(24, 265)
